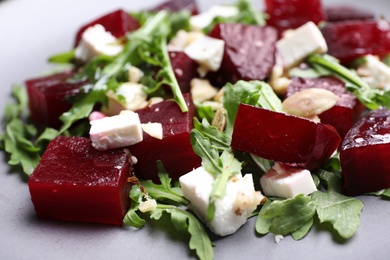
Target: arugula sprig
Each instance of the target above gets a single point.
(182, 220)
(371, 98)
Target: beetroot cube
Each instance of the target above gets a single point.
(118, 23)
(338, 13)
(283, 138)
(75, 182)
(365, 154)
(353, 39)
(175, 149)
(291, 14)
(249, 50)
(347, 110)
(177, 5)
(48, 97)
(185, 69)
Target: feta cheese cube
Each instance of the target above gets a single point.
(207, 52)
(97, 41)
(375, 73)
(287, 182)
(232, 211)
(202, 20)
(299, 44)
(116, 131)
(128, 96)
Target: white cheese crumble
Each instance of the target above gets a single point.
(375, 73)
(207, 52)
(200, 21)
(116, 131)
(287, 182)
(232, 211)
(202, 90)
(95, 41)
(299, 44)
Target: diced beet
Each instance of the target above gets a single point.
(291, 14)
(75, 182)
(249, 50)
(175, 149)
(353, 39)
(118, 23)
(347, 110)
(177, 5)
(338, 13)
(48, 97)
(184, 68)
(365, 154)
(283, 138)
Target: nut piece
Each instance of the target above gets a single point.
(309, 102)
(219, 120)
(202, 90)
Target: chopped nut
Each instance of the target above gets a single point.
(135, 74)
(202, 90)
(278, 81)
(219, 120)
(148, 205)
(309, 102)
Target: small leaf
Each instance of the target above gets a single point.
(263, 224)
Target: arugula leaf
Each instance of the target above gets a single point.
(303, 230)
(63, 58)
(262, 223)
(371, 98)
(183, 220)
(217, 139)
(164, 192)
(341, 211)
(289, 215)
(256, 93)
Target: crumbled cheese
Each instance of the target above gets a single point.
(287, 182)
(207, 52)
(278, 238)
(375, 73)
(299, 44)
(135, 74)
(153, 129)
(232, 211)
(202, 90)
(116, 131)
(182, 39)
(97, 41)
(200, 21)
(128, 96)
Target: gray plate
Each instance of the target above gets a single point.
(30, 31)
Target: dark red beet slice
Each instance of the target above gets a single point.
(177, 5)
(175, 149)
(338, 13)
(75, 182)
(347, 110)
(290, 14)
(365, 154)
(118, 23)
(249, 50)
(353, 39)
(184, 68)
(283, 138)
(48, 97)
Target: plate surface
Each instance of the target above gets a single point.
(33, 30)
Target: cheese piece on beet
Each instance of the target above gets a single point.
(116, 131)
(232, 211)
(287, 182)
(75, 182)
(300, 43)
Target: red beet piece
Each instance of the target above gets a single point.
(365, 154)
(175, 149)
(184, 68)
(347, 110)
(48, 97)
(283, 138)
(177, 5)
(290, 14)
(338, 13)
(118, 23)
(353, 39)
(75, 182)
(249, 50)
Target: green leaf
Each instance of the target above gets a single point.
(303, 230)
(63, 58)
(289, 215)
(132, 218)
(263, 224)
(341, 211)
(217, 139)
